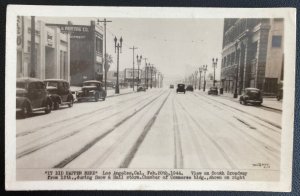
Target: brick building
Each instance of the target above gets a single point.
(252, 54)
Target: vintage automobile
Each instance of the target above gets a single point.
(60, 93)
(180, 88)
(189, 88)
(32, 96)
(91, 90)
(171, 86)
(213, 90)
(141, 88)
(252, 96)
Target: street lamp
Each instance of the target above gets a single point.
(235, 95)
(118, 50)
(151, 70)
(214, 61)
(138, 60)
(200, 72)
(196, 75)
(204, 68)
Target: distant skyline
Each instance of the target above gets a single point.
(177, 47)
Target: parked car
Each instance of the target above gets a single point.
(91, 89)
(189, 88)
(180, 88)
(172, 86)
(141, 88)
(59, 92)
(213, 90)
(252, 96)
(32, 96)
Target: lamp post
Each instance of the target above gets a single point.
(204, 68)
(214, 65)
(145, 73)
(200, 72)
(138, 60)
(133, 48)
(118, 50)
(235, 95)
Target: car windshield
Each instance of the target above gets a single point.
(51, 84)
(252, 92)
(21, 85)
(180, 85)
(90, 84)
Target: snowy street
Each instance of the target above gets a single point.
(153, 129)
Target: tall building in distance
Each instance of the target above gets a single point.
(252, 54)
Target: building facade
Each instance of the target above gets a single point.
(52, 51)
(86, 51)
(252, 54)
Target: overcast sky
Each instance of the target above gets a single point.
(177, 47)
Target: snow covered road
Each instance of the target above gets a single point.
(153, 129)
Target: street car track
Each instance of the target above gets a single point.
(24, 133)
(65, 136)
(204, 133)
(142, 136)
(87, 146)
(271, 150)
(264, 120)
(178, 155)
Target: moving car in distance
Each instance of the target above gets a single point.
(59, 92)
(213, 90)
(141, 88)
(91, 90)
(171, 86)
(180, 88)
(252, 96)
(32, 96)
(189, 88)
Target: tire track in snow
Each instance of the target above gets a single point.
(223, 153)
(68, 135)
(81, 124)
(178, 155)
(24, 133)
(264, 120)
(69, 159)
(141, 138)
(272, 151)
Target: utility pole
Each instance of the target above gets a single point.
(32, 49)
(196, 76)
(118, 46)
(105, 65)
(133, 48)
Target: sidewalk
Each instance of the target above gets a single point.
(123, 91)
(267, 101)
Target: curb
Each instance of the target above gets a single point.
(280, 110)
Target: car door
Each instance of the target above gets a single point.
(65, 92)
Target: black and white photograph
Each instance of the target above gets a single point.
(115, 98)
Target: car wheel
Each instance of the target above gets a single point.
(96, 97)
(48, 107)
(71, 103)
(25, 110)
(55, 105)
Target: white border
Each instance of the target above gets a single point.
(289, 14)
